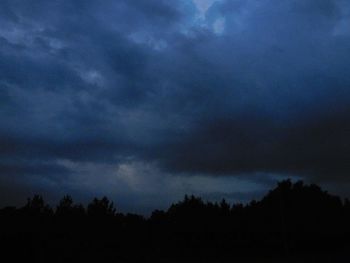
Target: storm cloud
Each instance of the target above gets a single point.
(243, 91)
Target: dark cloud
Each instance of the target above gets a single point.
(32, 168)
(249, 87)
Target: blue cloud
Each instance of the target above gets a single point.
(266, 90)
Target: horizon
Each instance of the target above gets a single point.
(147, 213)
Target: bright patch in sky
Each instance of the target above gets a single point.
(203, 5)
(219, 26)
(151, 187)
(92, 77)
(148, 40)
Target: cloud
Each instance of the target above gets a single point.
(142, 187)
(252, 87)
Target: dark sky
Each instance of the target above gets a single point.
(146, 100)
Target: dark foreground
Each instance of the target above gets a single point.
(292, 223)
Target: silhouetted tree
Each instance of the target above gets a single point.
(36, 206)
(225, 207)
(66, 207)
(293, 218)
(101, 207)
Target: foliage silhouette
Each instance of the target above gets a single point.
(36, 206)
(101, 207)
(67, 208)
(294, 221)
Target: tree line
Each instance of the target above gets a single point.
(292, 221)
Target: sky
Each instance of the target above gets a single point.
(148, 100)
